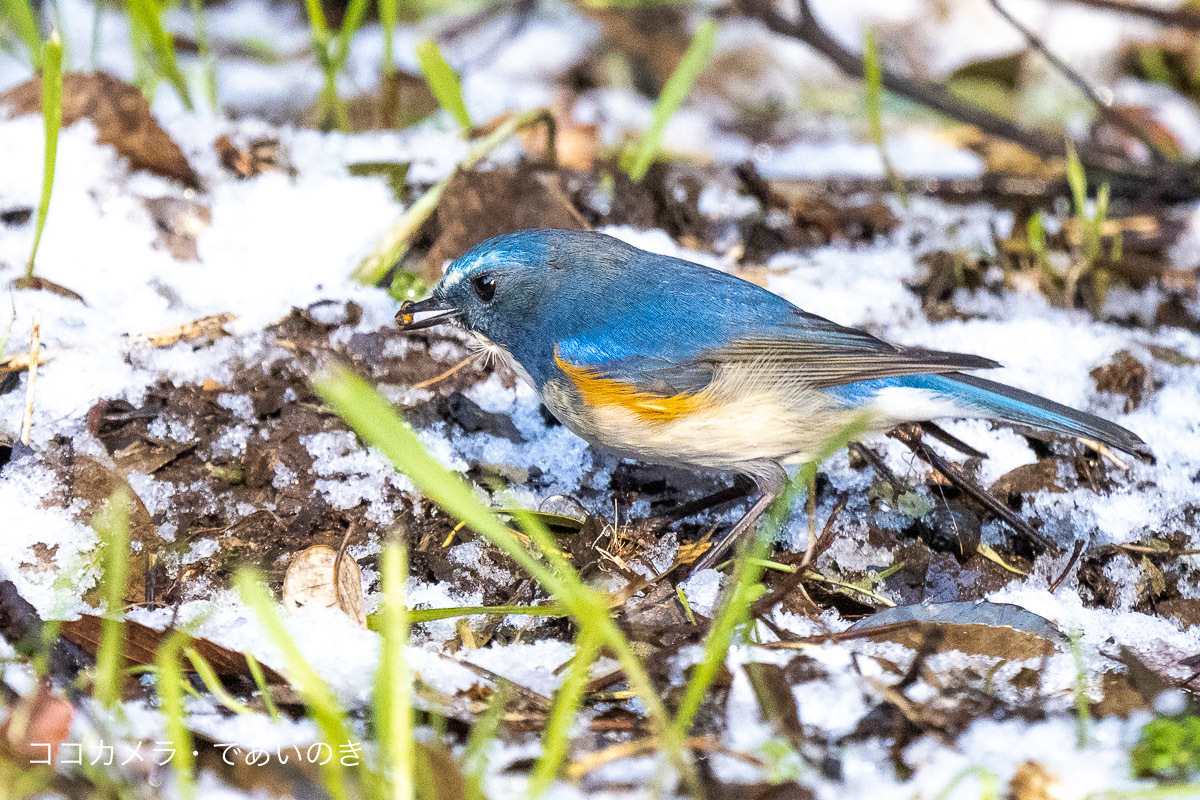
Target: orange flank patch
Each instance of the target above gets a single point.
(598, 389)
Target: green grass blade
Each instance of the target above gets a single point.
(443, 81)
(351, 22)
(1077, 180)
(394, 681)
(873, 79)
(318, 698)
(417, 616)
(736, 608)
(321, 38)
(171, 687)
(567, 701)
(146, 16)
(213, 683)
(989, 783)
(317, 22)
(24, 22)
(207, 63)
(475, 756)
(260, 680)
(52, 89)
(373, 418)
(1083, 709)
(112, 523)
(638, 162)
(389, 12)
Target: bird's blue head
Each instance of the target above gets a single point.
(524, 291)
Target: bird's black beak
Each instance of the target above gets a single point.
(423, 314)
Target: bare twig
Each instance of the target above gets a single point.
(1105, 109)
(1075, 553)
(449, 372)
(639, 747)
(35, 345)
(950, 440)
(953, 474)
(1174, 18)
(1168, 180)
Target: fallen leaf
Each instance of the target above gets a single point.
(471, 210)
(987, 552)
(653, 37)
(576, 145)
(776, 702)
(1032, 781)
(142, 643)
(122, 118)
(1042, 475)
(258, 156)
(37, 283)
(318, 576)
(993, 629)
(1124, 375)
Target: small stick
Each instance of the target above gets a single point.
(449, 372)
(1106, 452)
(35, 345)
(953, 474)
(1188, 20)
(877, 464)
(1070, 565)
(812, 523)
(1107, 111)
(945, 437)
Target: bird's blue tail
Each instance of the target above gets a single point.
(1015, 405)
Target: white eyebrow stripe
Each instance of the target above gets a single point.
(482, 261)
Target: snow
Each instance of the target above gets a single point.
(278, 242)
(702, 590)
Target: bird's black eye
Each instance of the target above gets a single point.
(484, 287)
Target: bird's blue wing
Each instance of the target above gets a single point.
(665, 325)
(812, 357)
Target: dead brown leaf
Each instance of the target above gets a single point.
(1124, 375)
(576, 145)
(122, 118)
(39, 284)
(258, 156)
(39, 723)
(478, 205)
(318, 576)
(142, 643)
(1042, 475)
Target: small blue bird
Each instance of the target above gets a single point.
(670, 362)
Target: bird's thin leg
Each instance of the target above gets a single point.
(770, 487)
